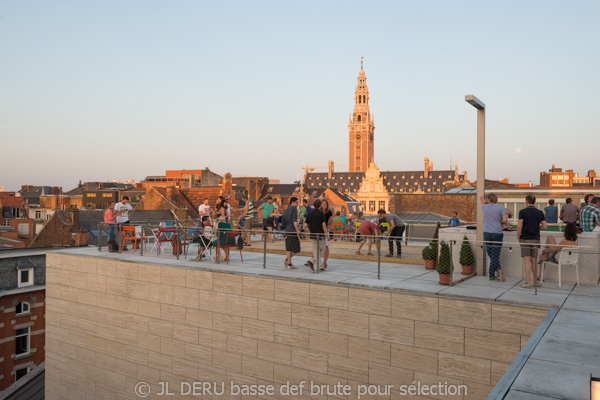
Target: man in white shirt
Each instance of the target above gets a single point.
(122, 212)
(204, 209)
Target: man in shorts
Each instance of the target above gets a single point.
(292, 232)
(528, 234)
(267, 208)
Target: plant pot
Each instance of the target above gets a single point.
(444, 279)
(467, 269)
(429, 264)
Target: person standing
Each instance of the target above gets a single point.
(122, 210)
(317, 225)
(454, 221)
(528, 234)
(551, 212)
(569, 212)
(246, 219)
(111, 223)
(292, 232)
(204, 209)
(267, 209)
(329, 222)
(394, 232)
(590, 216)
(494, 216)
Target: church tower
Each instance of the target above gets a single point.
(361, 128)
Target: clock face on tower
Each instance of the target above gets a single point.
(358, 136)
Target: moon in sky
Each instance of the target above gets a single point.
(518, 150)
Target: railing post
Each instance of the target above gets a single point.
(264, 250)
(452, 243)
(143, 241)
(534, 269)
(318, 250)
(218, 255)
(100, 236)
(378, 237)
(177, 241)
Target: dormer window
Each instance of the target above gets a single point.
(25, 277)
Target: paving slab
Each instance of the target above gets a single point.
(417, 285)
(571, 352)
(528, 297)
(518, 395)
(372, 282)
(541, 378)
(477, 292)
(578, 317)
(587, 290)
(582, 303)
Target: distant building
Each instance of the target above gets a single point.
(15, 216)
(557, 178)
(361, 128)
(22, 320)
(184, 178)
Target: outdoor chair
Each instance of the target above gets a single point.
(133, 234)
(567, 257)
(228, 239)
(204, 248)
(339, 229)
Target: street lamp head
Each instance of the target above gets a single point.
(475, 102)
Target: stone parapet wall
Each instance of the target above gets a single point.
(113, 324)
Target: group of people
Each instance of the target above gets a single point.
(531, 221)
(115, 216)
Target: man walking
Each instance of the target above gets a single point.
(317, 225)
(267, 208)
(394, 232)
(528, 234)
(494, 215)
(590, 216)
(292, 232)
(570, 212)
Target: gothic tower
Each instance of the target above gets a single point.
(361, 128)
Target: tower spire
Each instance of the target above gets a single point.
(361, 61)
(361, 126)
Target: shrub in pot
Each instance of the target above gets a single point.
(444, 265)
(429, 254)
(467, 259)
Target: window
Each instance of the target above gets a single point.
(38, 215)
(106, 195)
(25, 277)
(363, 205)
(23, 229)
(91, 195)
(382, 205)
(21, 372)
(372, 205)
(359, 118)
(357, 158)
(23, 308)
(22, 341)
(6, 222)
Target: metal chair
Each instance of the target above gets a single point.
(133, 234)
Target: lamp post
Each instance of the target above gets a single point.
(478, 104)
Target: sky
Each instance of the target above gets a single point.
(120, 90)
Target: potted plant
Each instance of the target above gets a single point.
(429, 254)
(444, 265)
(466, 257)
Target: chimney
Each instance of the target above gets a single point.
(330, 174)
(100, 185)
(170, 192)
(73, 218)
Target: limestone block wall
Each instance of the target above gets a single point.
(113, 324)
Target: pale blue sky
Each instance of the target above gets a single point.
(117, 90)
